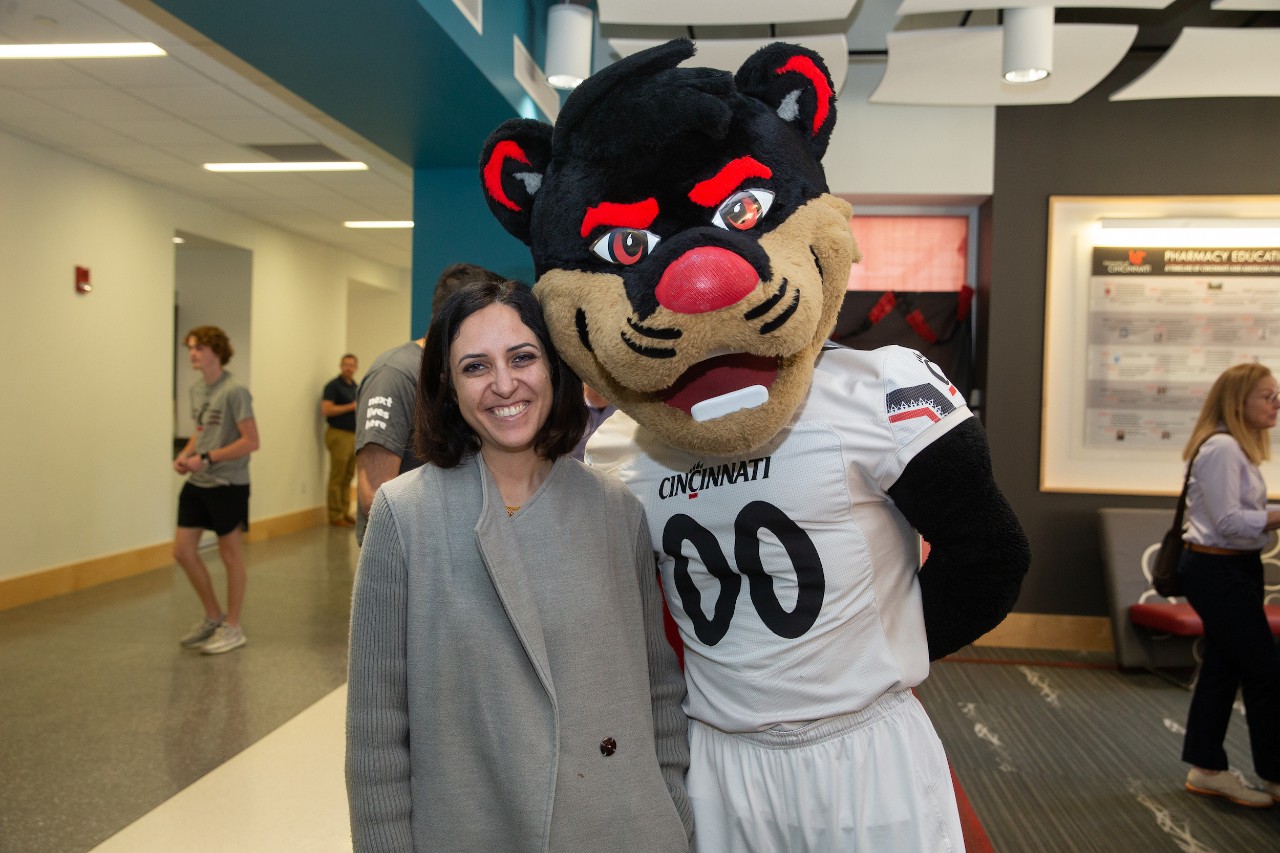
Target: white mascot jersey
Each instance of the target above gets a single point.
(790, 572)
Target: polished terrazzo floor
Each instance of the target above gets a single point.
(103, 717)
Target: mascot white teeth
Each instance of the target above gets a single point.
(691, 263)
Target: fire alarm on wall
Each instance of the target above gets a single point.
(82, 280)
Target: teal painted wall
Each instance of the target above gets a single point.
(492, 52)
(451, 224)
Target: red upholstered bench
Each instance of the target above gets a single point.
(1181, 620)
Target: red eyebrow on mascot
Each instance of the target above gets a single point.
(691, 262)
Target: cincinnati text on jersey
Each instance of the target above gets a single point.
(699, 478)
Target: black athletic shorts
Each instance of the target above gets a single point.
(218, 508)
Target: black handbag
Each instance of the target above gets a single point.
(1164, 571)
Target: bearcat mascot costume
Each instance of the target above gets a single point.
(691, 264)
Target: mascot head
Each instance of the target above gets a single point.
(689, 258)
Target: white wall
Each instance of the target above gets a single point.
(85, 448)
(377, 320)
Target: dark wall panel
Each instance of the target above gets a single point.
(1207, 146)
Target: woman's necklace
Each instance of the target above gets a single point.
(511, 510)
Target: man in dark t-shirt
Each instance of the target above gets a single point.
(339, 409)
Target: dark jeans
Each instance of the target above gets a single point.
(1239, 652)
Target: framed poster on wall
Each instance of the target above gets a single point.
(1148, 299)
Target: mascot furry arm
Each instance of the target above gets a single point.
(691, 264)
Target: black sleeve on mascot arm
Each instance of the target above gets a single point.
(978, 552)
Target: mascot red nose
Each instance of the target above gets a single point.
(691, 263)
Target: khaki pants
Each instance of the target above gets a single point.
(342, 467)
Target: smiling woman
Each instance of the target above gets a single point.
(490, 652)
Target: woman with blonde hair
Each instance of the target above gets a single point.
(1221, 569)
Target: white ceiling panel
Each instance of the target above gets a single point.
(152, 72)
(100, 102)
(1246, 5)
(260, 131)
(1212, 63)
(202, 102)
(78, 135)
(55, 128)
(15, 106)
(713, 12)
(926, 7)
(161, 131)
(961, 67)
(40, 21)
(222, 152)
(50, 73)
(729, 54)
(129, 156)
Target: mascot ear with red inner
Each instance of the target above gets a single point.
(691, 264)
(689, 258)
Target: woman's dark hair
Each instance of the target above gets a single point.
(440, 435)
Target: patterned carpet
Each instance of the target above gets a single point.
(1057, 751)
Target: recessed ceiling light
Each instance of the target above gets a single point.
(386, 223)
(109, 50)
(323, 166)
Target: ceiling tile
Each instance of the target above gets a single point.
(100, 102)
(1246, 5)
(961, 66)
(48, 73)
(46, 21)
(201, 102)
(161, 131)
(1212, 63)
(266, 130)
(924, 7)
(148, 72)
(711, 12)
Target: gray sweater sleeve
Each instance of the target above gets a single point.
(377, 761)
(666, 682)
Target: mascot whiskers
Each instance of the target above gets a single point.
(691, 263)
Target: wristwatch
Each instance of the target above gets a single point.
(204, 457)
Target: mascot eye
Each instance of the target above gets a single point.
(625, 246)
(743, 210)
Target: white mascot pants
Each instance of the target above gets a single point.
(876, 780)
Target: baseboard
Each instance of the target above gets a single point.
(283, 525)
(1050, 631)
(59, 580)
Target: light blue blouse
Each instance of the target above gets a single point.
(1227, 498)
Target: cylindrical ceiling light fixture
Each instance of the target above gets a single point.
(569, 37)
(1028, 44)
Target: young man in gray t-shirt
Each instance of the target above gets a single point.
(216, 494)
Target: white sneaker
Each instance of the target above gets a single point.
(1272, 788)
(1227, 785)
(226, 638)
(200, 632)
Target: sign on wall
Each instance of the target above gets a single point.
(1148, 300)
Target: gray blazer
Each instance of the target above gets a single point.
(454, 735)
